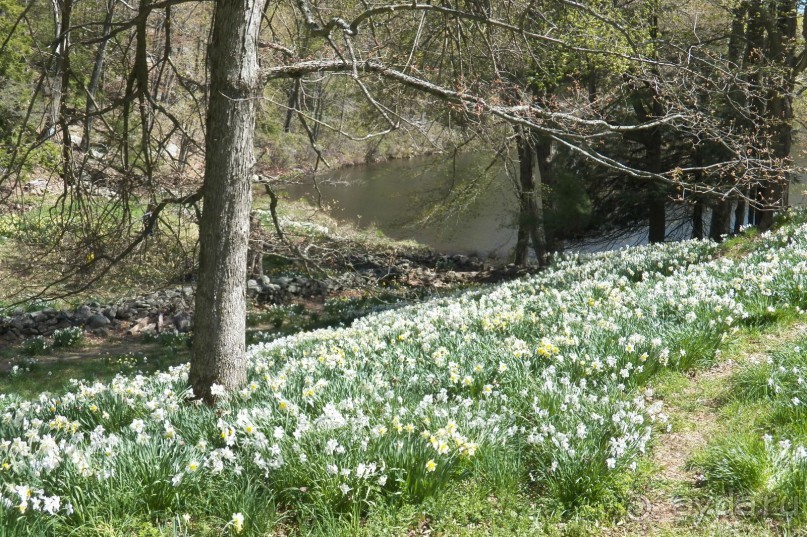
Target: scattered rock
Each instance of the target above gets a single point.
(176, 305)
(62, 325)
(183, 322)
(97, 321)
(142, 325)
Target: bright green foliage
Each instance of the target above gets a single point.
(766, 461)
(739, 463)
(13, 58)
(600, 40)
(14, 71)
(35, 346)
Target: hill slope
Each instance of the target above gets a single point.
(538, 386)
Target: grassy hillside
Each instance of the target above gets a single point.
(497, 411)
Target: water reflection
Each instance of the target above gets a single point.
(451, 205)
(462, 205)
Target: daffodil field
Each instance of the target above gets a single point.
(540, 383)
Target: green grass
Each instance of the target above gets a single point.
(738, 487)
(33, 376)
(737, 463)
(758, 454)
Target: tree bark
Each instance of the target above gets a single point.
(63, 70)
(531, 210)
(739, 215)
(721, 220)
(57, 66)
(647, 106)
(294, 94)
(697, 220)
(753, 213)
(657, 204)
(657, 217)
(779, 20)
(775, 189)
(522, 251)
(220, 313)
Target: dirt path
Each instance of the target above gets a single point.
(669, 506)
(695, 418)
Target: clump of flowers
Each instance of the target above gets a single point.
(68, 337)
(35, 346)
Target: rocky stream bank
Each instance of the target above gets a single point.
(171, 309)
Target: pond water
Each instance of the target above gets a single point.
(464, 205)
(451, 205)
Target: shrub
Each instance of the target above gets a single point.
(172, 339)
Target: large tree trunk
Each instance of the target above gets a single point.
(779, 20)
(657, 204)
(753, 54)
(740, 215)
(657, 217)
(753, 212)
(220, 312)
(294, 94)
(531, 210)
(721, 220)
(647, 106)
(697, 220)
(63, 70)
(775, 189)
